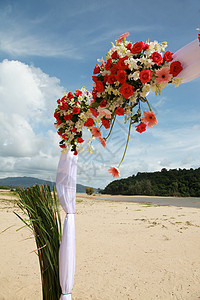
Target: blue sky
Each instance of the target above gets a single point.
(47, 47)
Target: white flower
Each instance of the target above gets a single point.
(147, 62)
(177, 81)
(135, 75)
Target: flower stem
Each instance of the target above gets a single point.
(148, 104)
(111, 127)
(129, 131)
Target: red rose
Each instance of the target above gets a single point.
(96, 70)
(168, 56)
(137, 47)
(70, 96)
(121, 64)
(76, 110)
(94, 94)
(99, 86)
(114, 69)
(121, 76)
(95, 78)
(74, 130)
(78, 93)
(59, 122)
(175, 68)
(105, 123)
(94, 112)
(115, 55)
(141, 127)
(58, 101)
(63, 146)
(129, 46)
(56, 115)
(111, 79)
(145, 75)
(103, 103)
(120, 111)
(108, 64)
(80, 140)
(65, 106)
(105, 78)
(75, 152)
(68, 117)
(157, 58)
(126, 90)
(89, 122)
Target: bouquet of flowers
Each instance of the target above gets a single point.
(124, 79)
(72, 115)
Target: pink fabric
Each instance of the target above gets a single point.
(189, 56)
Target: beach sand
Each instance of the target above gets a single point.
(123, 251)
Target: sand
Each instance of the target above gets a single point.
(123, 251)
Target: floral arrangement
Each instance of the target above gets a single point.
(121, 84)
(72, 115)
(124, 79)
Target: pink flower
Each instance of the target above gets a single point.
(104, 112)
(123, 36)
(163, 75)
(103, 142)
(114, 171)
(96, 132)
(149, 118)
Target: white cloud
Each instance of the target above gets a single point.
(28, 99)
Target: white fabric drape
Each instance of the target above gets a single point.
(189, 56)
(66, 189)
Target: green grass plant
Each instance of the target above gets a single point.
(40, 212)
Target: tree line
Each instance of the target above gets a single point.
(173, 182)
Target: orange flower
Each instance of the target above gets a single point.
(103, 142)
(96, 132)
(149, 118)
(114, 171)
(163, 75)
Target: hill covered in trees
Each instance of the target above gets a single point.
(13, 182)
(177, 183)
